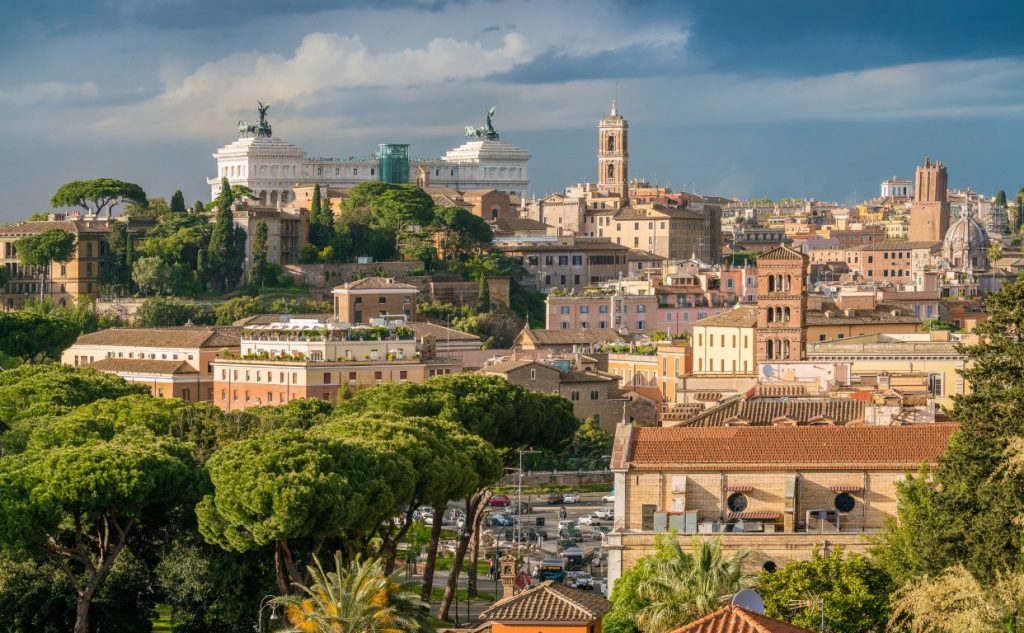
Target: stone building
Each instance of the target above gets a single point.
(287, 231)
(613, 154)
(172, 362)
(781, 491)
(370, 297)
(781, 304)
(965, 246)
(569, 262)
(593, 395)
(929, 211)
(65, 282)
(897, 188)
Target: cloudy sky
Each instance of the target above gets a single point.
(818, 99)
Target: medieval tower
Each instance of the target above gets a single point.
(929, 211)
(613, 154)
(781, 305)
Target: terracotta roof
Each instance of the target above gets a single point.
(376, 283)
(506, 366)
(733, 619)
(587, 336)
(737, 317)
(782, 252)
(439, 332)
(585, 376)
(165, 337)
(895, 245)
(576, 244)
(883, 313)
(762, 411)
(788, 446)
(549, 602)
(268, 319)
(143, 366)
(31, 227)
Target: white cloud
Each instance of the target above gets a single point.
(50, 91)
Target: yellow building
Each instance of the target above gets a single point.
(780, 490)
(932, 353)
(725, 343)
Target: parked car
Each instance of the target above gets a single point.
(566, 523)
(428, 519)
(572, 497)
(515, 508)
(606, 514)
(579, 580)
(555, 498)
(571, 534)
(609, 498)
(501, 519)
(499, 501)
(589, 520)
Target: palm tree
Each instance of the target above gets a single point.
(356, 598)
(686, 586)
(956, 602)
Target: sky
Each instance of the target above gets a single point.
(731, 98)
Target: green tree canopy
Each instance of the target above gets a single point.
(462, 234)
(961, 513)
(855, 592)
(1000, 199)
(77, 505)
(178, 202)
(98, 196)
(33, 336)
(166, 312)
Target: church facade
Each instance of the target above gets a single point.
(271, 166)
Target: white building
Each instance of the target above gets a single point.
(271, 166)
(897, 188)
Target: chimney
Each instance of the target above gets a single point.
(508, 575)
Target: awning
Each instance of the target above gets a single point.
(738, 488)
(845, 488)
(762, 516)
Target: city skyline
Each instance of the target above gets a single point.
(821, 103)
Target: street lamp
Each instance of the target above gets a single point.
(264, 603)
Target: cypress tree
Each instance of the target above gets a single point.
(483, 295)
(318, 233)
(178, 202)
(222, 238)
(259, 254)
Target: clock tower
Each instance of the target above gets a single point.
(613, 154)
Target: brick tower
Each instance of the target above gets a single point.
(929, 211)
(781, 305)
(613, 153)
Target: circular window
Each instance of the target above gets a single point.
(769, 566)
(737, 502)
(845, 502)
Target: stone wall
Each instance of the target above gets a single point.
(331, 275)
(466, 292)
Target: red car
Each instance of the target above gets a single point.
(499, 500)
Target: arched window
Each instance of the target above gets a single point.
(611, 171)
(785, 314)
(611, 143)
(789, 281)
(770, 349)
(770, 316)
(778, 315)
(785, 348)
(771, 283)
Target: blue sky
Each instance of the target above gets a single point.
(820, 99)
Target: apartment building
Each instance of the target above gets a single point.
(371, 297)
(567, 262)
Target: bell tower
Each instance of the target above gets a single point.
(613, 153)
(781, 305)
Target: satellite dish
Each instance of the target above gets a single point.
(750, 600)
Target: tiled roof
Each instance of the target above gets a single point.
(790, 446)
(577, 244)
(585, 376)
(782, 252)
(511, 225)
(268, 319)
(761, 411)
(71, 226)
(143, 366)
(895, 245)
(587, 336)
(376, 283)
(883, 313)
(733, 619)
(439, 332)
(549, 602)
(737, 317)
(506, 366)
(164, 337)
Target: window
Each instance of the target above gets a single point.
(595, 394)
(584, 309)
(641, 308)
(574, 396)
(564, 310)
(845, 502)
(533, 374)
(935, 384)
(737, 502)
(563, 260)
(403, 375)
(359, 300)
(577, 260)
(602, 309)
(327, 378)
(382, 299)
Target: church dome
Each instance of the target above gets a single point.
(965, 246)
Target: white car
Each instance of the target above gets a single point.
(609, 498)
(606, 514)
(589, 520)
(572, 497)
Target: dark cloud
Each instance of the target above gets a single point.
(554, 66)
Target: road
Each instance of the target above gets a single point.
(589, 502)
